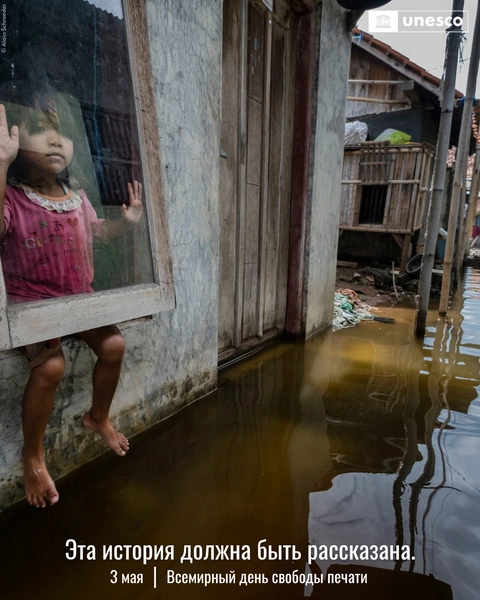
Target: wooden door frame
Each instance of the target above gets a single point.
(241, 171)
(305, 60)
(304, 10)
(304, 50)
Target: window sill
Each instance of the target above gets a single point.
(4, 354)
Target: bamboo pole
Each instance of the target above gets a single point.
(459, 226)
(470, 214)
(375, 100)
(462, 217)
(378, 81)
(467, 230)
(433, 221)
(460, 168)
(472, 203)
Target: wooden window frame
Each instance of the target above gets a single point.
(31, 322)
(381, 199)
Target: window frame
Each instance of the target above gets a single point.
(381, 199)
(31, 322)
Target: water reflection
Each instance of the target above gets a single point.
(434, 489)
(363, 436)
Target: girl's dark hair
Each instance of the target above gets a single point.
(23, 104)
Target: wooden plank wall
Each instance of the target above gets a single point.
(410, 171)
(423, 193)
(365, 66)
(350, 180)
(402, 193)
(255, 109)
(255, 186)
(228, 172)
(277, 215)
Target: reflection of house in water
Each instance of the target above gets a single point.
(390, 509)
(407, 396)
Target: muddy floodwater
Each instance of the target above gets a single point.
(364, 438)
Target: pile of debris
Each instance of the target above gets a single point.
(389, 280)
(349, 310)
(385, 282)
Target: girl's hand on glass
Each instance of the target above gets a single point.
(134, 213)
(8, 141)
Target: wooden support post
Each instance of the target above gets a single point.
(405, 252)
(399, 239)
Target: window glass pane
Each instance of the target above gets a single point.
(66, 83)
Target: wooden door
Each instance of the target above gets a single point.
(255, 175)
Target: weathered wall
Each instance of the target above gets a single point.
(367, 67)
(330, 90)
(171, 359)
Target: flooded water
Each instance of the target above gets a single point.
(362, 437)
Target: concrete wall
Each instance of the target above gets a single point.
(171, 359)
(330, 91)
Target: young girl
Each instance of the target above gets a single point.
(46, 232)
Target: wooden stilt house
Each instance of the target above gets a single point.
(385, 188)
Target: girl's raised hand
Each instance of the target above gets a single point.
(8, 142)
(133, 214)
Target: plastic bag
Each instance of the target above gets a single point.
(355, 133)
(393, 136)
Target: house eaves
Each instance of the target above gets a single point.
(399, 62)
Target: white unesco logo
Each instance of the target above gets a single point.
(383, 21)
(415, 21)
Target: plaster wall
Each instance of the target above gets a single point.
(172, 358)
(328, 124)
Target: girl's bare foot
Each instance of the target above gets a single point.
(39, 487)
(114, 440)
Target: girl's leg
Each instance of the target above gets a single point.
(37, 406)
(108, 345)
